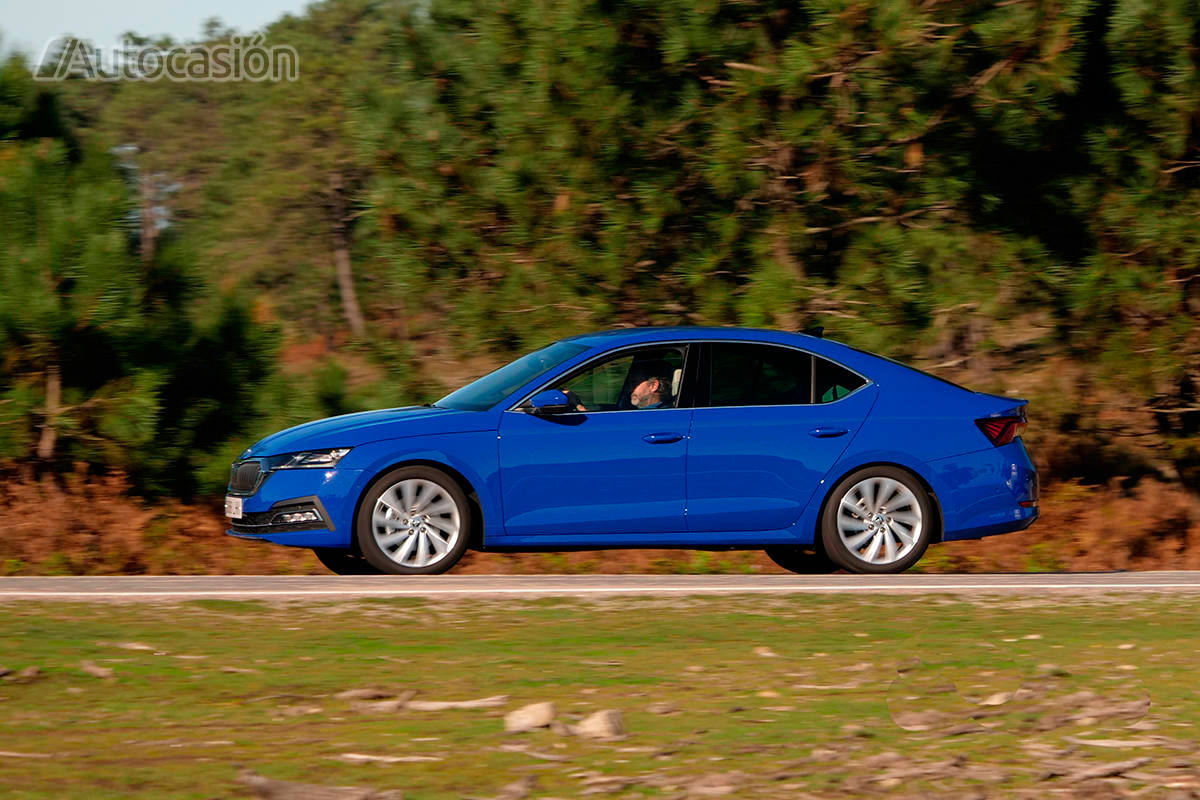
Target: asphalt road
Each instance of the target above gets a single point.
(297, 586)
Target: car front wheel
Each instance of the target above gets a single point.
(878, 520)
(413, 521)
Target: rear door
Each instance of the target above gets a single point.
(770, 422)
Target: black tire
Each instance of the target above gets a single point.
(386, 559)
(856, 561)
(344, 562)
(803, 561)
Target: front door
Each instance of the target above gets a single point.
(614, 463)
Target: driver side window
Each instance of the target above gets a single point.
(641, 379)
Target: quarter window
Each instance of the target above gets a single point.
(832, 381)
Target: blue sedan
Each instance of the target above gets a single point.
(825, 456)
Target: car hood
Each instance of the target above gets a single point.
(350, 430)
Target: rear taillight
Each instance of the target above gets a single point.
(1001, 430)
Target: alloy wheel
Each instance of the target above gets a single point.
(416, 522)
(879, 520)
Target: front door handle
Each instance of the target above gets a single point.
(827, 433)
(662, 438)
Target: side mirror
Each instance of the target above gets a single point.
(551, 401)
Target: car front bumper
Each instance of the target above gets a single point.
(331, 494)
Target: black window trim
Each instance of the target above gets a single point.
(703, 385)
(685, 390)
(697, 367)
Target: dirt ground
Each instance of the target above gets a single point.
(778, 698)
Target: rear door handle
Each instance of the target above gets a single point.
(662, 438)
(827, 433)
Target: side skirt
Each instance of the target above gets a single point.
(746, 540)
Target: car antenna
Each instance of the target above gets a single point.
(816, 330)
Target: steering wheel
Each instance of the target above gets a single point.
(574, 402)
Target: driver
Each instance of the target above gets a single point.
(651, 386)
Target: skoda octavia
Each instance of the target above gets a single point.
(710, 438)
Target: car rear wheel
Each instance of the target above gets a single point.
(344, 562)
(878, 520)
(413, 521)
(803, 561)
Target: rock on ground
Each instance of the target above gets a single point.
(605, 724)
(444, 705)
(269, 789)
(95, 670)
(398, 703)
(370, 693)
(517, 790)
(530, 717)
(1108, 770)
(717, 784)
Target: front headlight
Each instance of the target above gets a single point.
(310, 459)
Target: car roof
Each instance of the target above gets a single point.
(622, 336)
(866, 364)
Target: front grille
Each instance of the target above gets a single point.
(244, 475)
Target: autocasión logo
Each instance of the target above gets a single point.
(237, 58)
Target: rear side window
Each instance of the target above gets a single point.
(832, 382)
(759, 375)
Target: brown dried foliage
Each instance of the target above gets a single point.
(1150, 526)
(77, 525)
(92, 526)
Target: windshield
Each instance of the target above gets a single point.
(484, 393)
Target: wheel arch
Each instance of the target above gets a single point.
(937, 503)
(475, 508)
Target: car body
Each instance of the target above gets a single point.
(712, 469)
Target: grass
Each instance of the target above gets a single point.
(228, 683)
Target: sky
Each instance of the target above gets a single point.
(27, 25)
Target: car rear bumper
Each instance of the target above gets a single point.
(1022, 519)
(986, 492)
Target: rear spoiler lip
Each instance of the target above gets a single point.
(1004, 406)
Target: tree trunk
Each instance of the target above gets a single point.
(149, 231)
(341, 259)
(45, 448)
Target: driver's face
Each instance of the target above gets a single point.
(645, 392)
